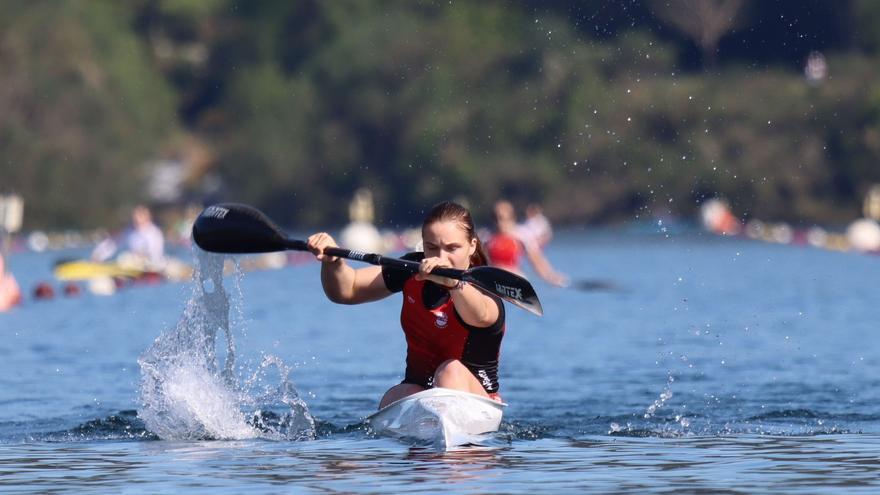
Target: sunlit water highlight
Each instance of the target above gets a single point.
(676, 362)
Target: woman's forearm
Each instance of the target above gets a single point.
(337, 279)
(474, 307)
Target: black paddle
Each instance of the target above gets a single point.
(236, 228)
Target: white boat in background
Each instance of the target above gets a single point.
(441, 416)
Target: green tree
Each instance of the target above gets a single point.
(83, 111)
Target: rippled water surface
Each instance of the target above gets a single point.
(672, 363)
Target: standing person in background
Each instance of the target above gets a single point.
(538, 225)
(511, 241)
(145, 239)
(10, 293)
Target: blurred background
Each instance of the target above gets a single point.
(602, 111)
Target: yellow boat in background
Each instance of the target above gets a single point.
(78, 270)
(123, 267)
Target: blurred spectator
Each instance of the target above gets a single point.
(144, 241)
(510, 241)
(816, 68)
(864, 235)
(537, 225)
(872, 203)
(10, 293)
(718, 219)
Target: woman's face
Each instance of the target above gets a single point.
(447, 240)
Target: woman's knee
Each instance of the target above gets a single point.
(451, 370)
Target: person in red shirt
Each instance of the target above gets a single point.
(453, 330)
(511, 242)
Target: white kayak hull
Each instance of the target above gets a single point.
(441, 416)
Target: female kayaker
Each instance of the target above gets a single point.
(511, 241)
(453, 330)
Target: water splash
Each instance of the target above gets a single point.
(186, 395)
(665, 395)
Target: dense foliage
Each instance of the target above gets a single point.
(601, 110)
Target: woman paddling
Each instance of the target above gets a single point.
(453, 330)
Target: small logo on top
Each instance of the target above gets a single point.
(441, 319)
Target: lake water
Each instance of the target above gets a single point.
(674, 363)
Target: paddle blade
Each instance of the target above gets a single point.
(236, 228)
(508, 286)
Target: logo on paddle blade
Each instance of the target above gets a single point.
(217, 212)
(511, 292)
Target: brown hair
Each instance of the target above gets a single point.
(450, 211)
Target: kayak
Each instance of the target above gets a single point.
(442, 416)
(86, 270)
(127, 268)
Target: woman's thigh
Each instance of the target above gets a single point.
(454, 374)
(398, 392)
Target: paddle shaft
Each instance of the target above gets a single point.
(375, 259)
(239, 229)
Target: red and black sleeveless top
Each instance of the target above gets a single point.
(435, 332)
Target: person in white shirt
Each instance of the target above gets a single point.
(145, 239)
(538, 225)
